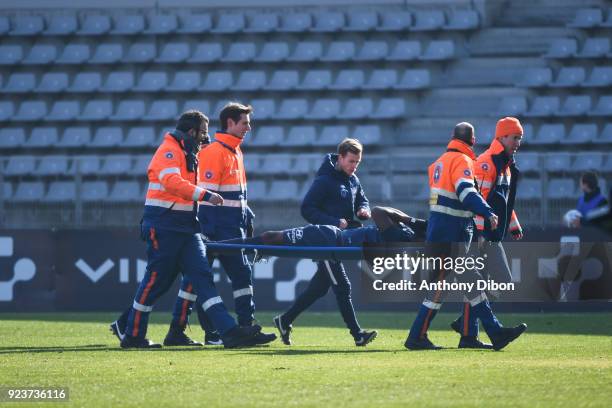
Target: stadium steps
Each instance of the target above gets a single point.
(489, 71)
(542, 12)
(511, 42)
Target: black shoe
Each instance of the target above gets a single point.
(114, 327)
(136, 342)
(420, 344)
(177, 337)
(264, 338)
(241, 336)
(507, 335)
(456, 326)
(473, 342)
(364, 337)
(285, 332)
(212, 339)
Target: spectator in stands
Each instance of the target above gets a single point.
(589, 201)
(334, 198)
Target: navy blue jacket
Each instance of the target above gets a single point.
(333, 195)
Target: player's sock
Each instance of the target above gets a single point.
(471, 328)
(490, 323)
(423, 320)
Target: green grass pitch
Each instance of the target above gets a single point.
(562, 360)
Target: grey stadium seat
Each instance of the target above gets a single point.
(29, 191)
(257, 190)
(250, 81)
(600, 77)
(53, 82)
(116, 164)
(527, 161)
(118, 81)
(141, 163)
(174, 52)
(151, 81)
(41, 54)
(264, 108)
(536, 77)
(560, 188)
(273, 52)
(75, 136)
(185, 81)
(328, 21)
(575, 105)
(61, 25)
(125, 191)
(129, 24)
(588, 161)
(142, 136)
(61, 191)
(74, 54)
(395, 21)
(332, 135)
(361, 20)
(568, 77)
(31, 110)
(530, 189)
(27, 25)
(86, 165)
(562, 48)
(162, 24)
(199, 104)
(52, 166)
(301, 136)
(5, 25)
(292, 109)
(606, 134)
(95, 25)
(162, 110)
(316, 80)
(581, 133)
(283, 80)
(595, 47)
(240, 52)
(229, 23)
(324, 108)
(97, 109)
(262, 23)
(544, 106)
(405, 50)
(462, 20)
(107, 136)
(268, 136)
(372, 51)
(382, 79)
(368, 134)
(587, 18)
(217, 81)
(357, 108)
(603, 107)
(20, 166)
(439, 50)
(348, 79)
(195, 24)
(275, 163)
(560, 161)
(295, 22)
(550, 133)
(10, 54)
(389, 108)
(251, 163)
(141, 52)
(207, 53)
(12, 137)
(283, 190)
(86, 82)
(340, 51)
(414, 79)
(64, 111)
(20, 83)
(511, 106)
(94, 191)
(43, 137)
(428, 20)
(306, 51)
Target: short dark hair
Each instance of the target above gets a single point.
(233, 111)
(349, 145)
(191, 119)
(464, 131)
(590, 179)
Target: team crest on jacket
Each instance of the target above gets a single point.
(169, 155)
(208, 174)
(437, 172)
(467, 173)
(485, 166)
(343, 192)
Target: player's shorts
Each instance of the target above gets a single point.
(313, 235)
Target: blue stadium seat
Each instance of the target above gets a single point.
(86, 82)
(262, 23)
(273, 52)
(603, 107)
(390, 108)
(274, 164)
(339, 51)
(30, 111)
(240, 52)
(324, 108)
(264, 108)
(229, 23)
(195, 24)
(118, 81)
(74, 54)
(162, 24)
(595, 47)
(251, 164)
(116, 164)
(316, 80)
(126, 191)
(530, 189)
(306, 51)
(206, 53)
(414, 79)
(527, 161)
(536, 77)
(185, 81)
(131, 109)
(382, 79)
(407, 50)
(587, 18)
(268, 136)
(395, 21)
(368, 134)
(217, 81)
(606, 135)
(514, 105)
(107, 53)
(141, 163)
(108, 136)
(75, 136)
(97, 109)
(562, 48)
(164, 109)
(295, 22)
(43, 137)
(141, 52)
(569, 77)
(95, 25)
(11, 138)
(129, 24)
(301, 136)
(348, 79)
(29, 191)
(600, 77)
(53, 82)
(64, 111)
(5, 25)
(250, 81)
(462, 20)
(332, 135)
(94, 191)
(27, 25)
(357, 108)
(20, 83)
(10, 54)
(174, 52)
(198, 104)
(560, 188)
(85, 165)
(575, 105)
(61, 25)
(151, 81)
(361, 20)
(20, 165)
(61, 191)
(550, 133)
(292, 109)
(373, 51)
(283, 190)
(142, 136)
(560, 161)
(544, 106)
(283, 80)
(41, 54)
(257, 190)
(328, 21)
(586, 161)
(439, 50)
(428, 20)
(52, 166)
(608, 21)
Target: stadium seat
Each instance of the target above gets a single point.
(390, 108)
(588, 161)
(131, 109)
(262, 23)
(316, 80)
(74, 54)
(382, 79)
(264, 108)
(301, 136)
(240, 52)
(206, 53)
(20, 83)
(535, 77)
(61, 191)
(575, 105)
(348, 79)
(587, 18)
(414, 79)
(108, 136)
(29, 191)
(43, 137)
(357, 108)
(600, 77)
(184, 81)
(251, 163)
(128, 24)
(562, 48)
(606, 135)
(372, 51)
(283, 80)
(361, 21)
(164, 109)
(530, 189)
(339, 51)
(439, 50)
(95, 25)
(306, 51)
(94, 191)
(527, 161)
(607, 167)
(174, 52)
(29, 111)
(286, 190)
(75, 136)
(405, 51)
(217, 81)
(142, 136)
(151, 81)
(568, 77)
(328, 21)
(368, 134)
(560, 188)
(195, 24)
(273, 52)
(292, 109)
(257, 190)
(511, 106)
(5, 25)
(295, 22)
(595, 47)
(581, 133)
(162, 24)
(560, 161)
(428, 20)
(41, 54)
(20, 165)
(52, 166)
(53, 82)
(250, 81)
(61, 25)
(198, 104)
(85, 165)
(603, 107)
(11, 138)
(395, 21)
(107, 53)
(141, 52)
(125, 191)
(550, 133)
(10, 54)
(116, 165)
(332, 135)
(96, 109)
(324, 108)
(607, 23)
(141, 163)
(118, 81)
(462, 20)
(268, 136)
(229, 23)
(86, 82)
(544, 106)
(27, 25)
(64, 111)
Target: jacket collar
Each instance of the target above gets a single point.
(497, 148)
(462, 147)
(230, 140)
